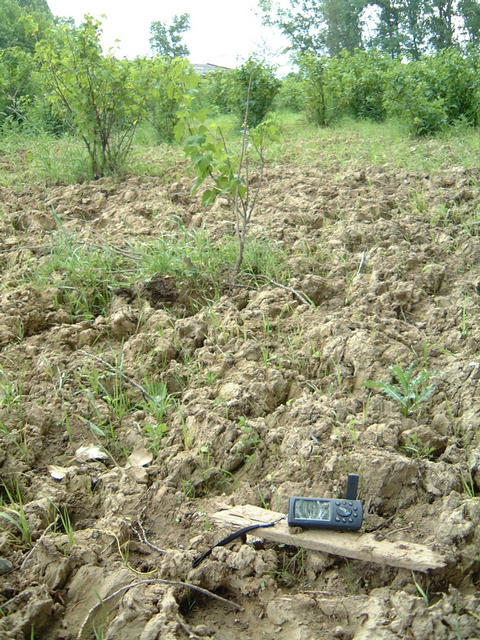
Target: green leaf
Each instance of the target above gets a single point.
(209, 196)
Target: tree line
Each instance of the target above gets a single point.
(56, 79)
(400, 28)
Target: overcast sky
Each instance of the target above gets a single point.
(223, 32)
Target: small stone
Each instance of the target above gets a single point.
(130, 195)
(203, 630)
(5, 566)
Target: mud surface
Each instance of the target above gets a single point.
(263, 398)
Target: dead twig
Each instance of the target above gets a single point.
(296, 293)
(20, 597)
(172, 583)
(32, 550)
(143, 538)
(188, 631)
(362, 262)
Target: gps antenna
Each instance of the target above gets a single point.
(352, 486)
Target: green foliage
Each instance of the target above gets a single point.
(10, 392)
(313, 71)
(13, 512)
(17, 86)
(230, 174)
(416, 449)
(169, 80)
(362, 76)
(214, 90)
(411, 390)
(428, 94)
(401, 28)
(157, 402)
(86, 275)
(22, 94)
(61, 514)
(435, 91)
(99, 96)
(155, 433)
(468, 484)
(470, 10)
(167, 40)
(317, 27)
(255, 84)
(292, 567)
(423, 592)
(351, 84)
(206, 148)
(45, 159)
(291, 95)
(22, 24)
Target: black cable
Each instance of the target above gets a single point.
(233, 536)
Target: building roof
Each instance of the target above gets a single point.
(202, 69)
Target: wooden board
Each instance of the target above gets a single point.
(360, 546)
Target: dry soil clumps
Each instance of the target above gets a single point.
(244, 394)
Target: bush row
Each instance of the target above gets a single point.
(429, 94)
(70, 85)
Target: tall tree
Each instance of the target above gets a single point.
(402, 28)
(342, 22)
(35, 5)
(470, 12)
(166, 39)
(415, 28)
(441, 26)
(388, 37)
(22, 23)
(317, 26)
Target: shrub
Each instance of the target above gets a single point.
(254, 83)
(168, 79)
(409, 97)
(99, 96)
(350, 84)
(291, 95)
(214, 90)
(366, 73)
(435, 91)
(17, 86)
(313, 73)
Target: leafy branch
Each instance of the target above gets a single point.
(231, 174)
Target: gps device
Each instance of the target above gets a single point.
(324, 513)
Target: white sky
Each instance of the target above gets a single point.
(223, 32)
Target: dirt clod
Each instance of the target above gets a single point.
(251, 394)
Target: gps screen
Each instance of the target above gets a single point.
(312, 509)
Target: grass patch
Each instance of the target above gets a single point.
(358, 143)
(86, 275)
(41, 158)
(27, 158)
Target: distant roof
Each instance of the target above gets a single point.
(202, 69)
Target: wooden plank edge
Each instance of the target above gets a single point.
(357, 546)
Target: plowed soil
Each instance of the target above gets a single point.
(268, 401)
